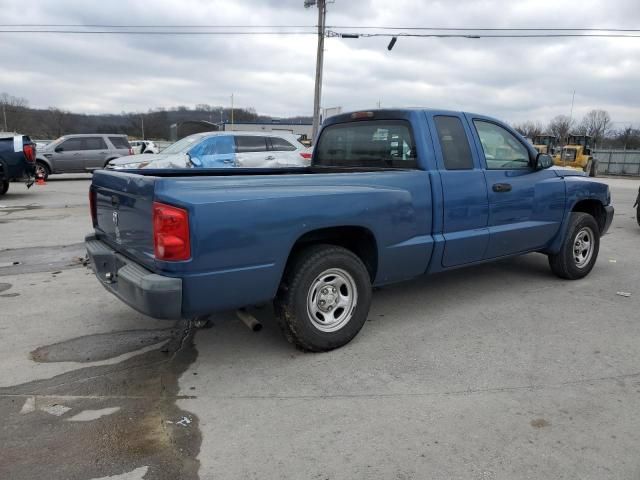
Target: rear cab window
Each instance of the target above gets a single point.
(371, 143)
(119, 143)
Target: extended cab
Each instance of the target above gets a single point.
(17, 161)
(390, 195)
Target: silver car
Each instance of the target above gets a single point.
(225, 150)
(80, 153)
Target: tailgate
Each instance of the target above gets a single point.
(124, 213)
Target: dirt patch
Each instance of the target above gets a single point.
(143, 432)
(540, 423)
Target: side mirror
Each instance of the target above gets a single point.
(59, 149)
(543, 161)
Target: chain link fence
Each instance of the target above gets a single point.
(618, 162)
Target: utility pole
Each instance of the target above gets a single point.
(232, 111)
(142, 123)
(4, 114)
(573, 97)
(322, 16)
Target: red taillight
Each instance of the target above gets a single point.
(130, 151)
(29, 151)
(171, 239)
(306, 156)
(92, 206)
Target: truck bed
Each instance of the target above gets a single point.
(244, 223)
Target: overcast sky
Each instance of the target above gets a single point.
(513, 79)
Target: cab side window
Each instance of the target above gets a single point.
(502, 150)
(456, 153)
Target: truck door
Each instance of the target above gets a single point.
(466, 208)
(526, 206)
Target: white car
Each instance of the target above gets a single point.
(225, 150)
(149, 146)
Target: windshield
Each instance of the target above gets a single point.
(183, 145)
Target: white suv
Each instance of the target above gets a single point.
(226, 150)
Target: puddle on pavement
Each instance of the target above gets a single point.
(143, 431)
(92, 348)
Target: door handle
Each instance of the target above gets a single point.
(270, 157)
(76, 154)
(501, 187)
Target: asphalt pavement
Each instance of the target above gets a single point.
(500, 371)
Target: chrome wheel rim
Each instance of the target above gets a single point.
(332, 299)
(40, 171)
(583, 245)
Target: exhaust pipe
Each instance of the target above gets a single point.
(249, 320)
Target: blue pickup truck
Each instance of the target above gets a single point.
(390, 195)
(17, 161)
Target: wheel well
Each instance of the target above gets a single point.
(593, 208)
(45, 163)
(358, 240)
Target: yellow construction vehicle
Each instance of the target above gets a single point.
(577, 154)
(545, 143)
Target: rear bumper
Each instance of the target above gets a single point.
(147, 292)
(608, 219)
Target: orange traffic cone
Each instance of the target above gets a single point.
(40, 180)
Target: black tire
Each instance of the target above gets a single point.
(303, 282)
(4, 186)
(638, 214)
(593, 172)
(42, 169)
(565, 264)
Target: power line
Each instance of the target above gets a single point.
(154, 32)
(339, 27)
(332, 33)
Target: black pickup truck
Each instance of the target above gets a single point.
(17, 161)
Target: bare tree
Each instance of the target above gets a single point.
(628, 137)
(560, 126)
(529, 129)
(596, 123)
(12, 110)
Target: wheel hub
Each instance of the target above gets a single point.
(332, 300)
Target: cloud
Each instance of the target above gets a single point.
(515, 79)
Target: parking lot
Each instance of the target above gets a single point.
(500, 371)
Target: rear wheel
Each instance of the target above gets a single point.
(593, 172)
(324, 298)
(42, 170)
(4, 186)
(579, 251)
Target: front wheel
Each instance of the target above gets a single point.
(579, 250)
(4, 187)
(324, 298)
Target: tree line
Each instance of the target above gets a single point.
(50, 123)
(596, 123)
